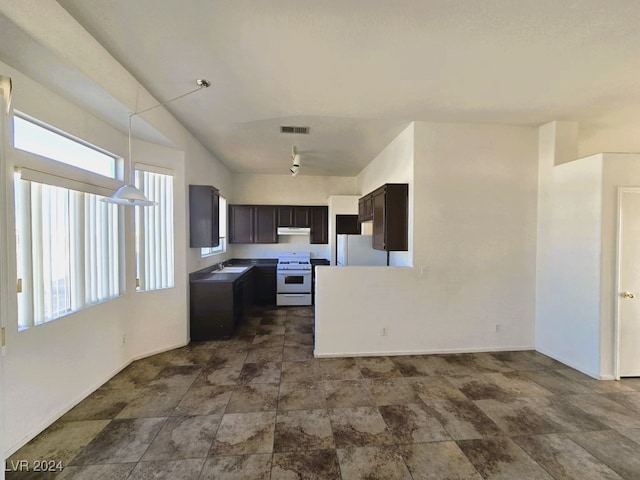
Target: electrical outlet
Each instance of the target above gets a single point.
(423, 270)
(498, 327)
(384, 331)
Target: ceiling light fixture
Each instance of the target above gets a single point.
(129, 194)
(295, 158)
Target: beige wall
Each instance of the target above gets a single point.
(474, 192)
(36, 383)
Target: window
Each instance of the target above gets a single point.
(32, 136)
(67, 251)
(154, 230)
(222, 224)
(67, 241)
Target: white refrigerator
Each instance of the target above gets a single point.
(358, 250)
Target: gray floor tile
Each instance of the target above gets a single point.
(245, 433)
(384, 462)
(303, 430)
(216, 376)
(157, 401)
(116, 471)
(103, 404)
(122, 441)
(438, 461)
(500, 458)
(347, 393)
(204, 401)
(392, 391)
(629, 400)
(239, 467)
(413, 423)
(301, 396)
(463, 419)
(613, 449)
(184, 437)
(60, 442)
(435, 389)
(537, 415)
(565, 459)
(176, 376)
(377, 367)
(306, 465)
(297, 372)
(339, 369)
(265, 372)
(358, 427)
(608, 412)
(169, 470)
(260, 397)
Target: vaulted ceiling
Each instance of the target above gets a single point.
(358, 71)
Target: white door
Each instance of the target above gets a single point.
(629, 284)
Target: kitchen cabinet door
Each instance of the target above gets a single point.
(266, 285)
(348, 224)
(390, 217)
(204, 204)
(285, 216)
(266, 224)
(293, 216)
(379, 220)
(241, 224)
(365, 208)
(319, 224)
(301, 216)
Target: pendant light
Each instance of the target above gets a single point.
(129, 194)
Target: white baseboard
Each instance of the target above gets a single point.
(580, 368)
(419, 352)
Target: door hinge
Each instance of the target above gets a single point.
(19, 285)
(3, 341)
(137, 283)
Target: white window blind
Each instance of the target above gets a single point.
(154, 230)
(68, 242)
(67, 251)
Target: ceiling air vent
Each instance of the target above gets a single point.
(290, 129)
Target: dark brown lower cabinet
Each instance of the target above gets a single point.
(217, 308)
(265, 292)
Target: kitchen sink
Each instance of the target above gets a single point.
(231, 270)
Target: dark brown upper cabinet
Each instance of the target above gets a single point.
(204, 213)
(348, 224)
(266, 224)
(242, 224)
(294, 216)
(390, 214)
(319, 224)
(365, 208)
(259, 223)
(252, 224)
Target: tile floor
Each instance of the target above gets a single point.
(259, 406)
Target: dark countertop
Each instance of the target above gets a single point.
(210, 274)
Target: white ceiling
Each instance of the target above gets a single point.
(358, 71)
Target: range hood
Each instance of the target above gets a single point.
(294, 231)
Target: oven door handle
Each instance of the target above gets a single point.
(295, 272)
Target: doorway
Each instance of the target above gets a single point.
(627, 321)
